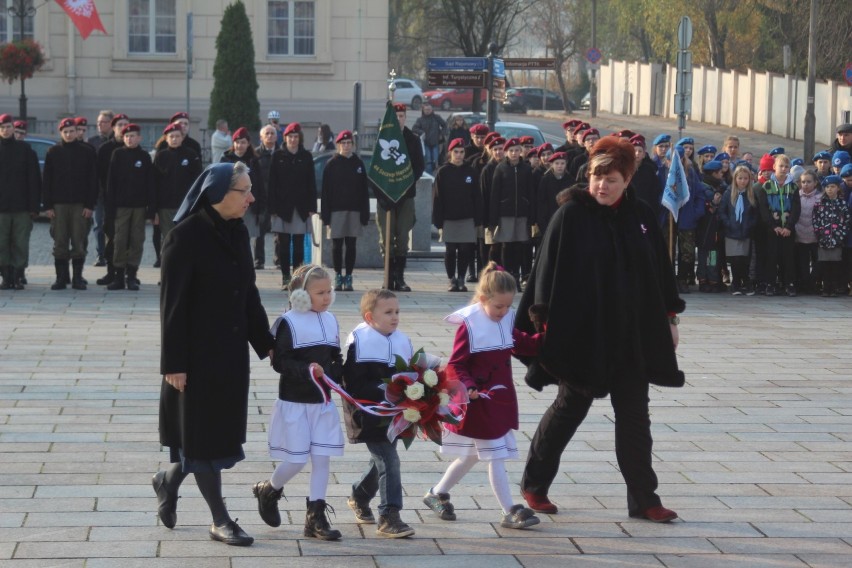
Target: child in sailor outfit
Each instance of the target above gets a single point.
(481, 359)
(304, 421)
(371, 353)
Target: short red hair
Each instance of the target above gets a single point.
(612, 154)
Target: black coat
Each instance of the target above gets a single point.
(646, 183)
(293, 366)
(20, 179)
(606, 276)
(70, 175)
(104, 155)
(455, 195)
(292, 183)
(344, 188)
(486, 176)
(210, 310)
(545, 204)
(511, 191)
(131, 181)
(176, 170)
(363, 382)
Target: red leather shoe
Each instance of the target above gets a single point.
(540, 503)
(659, 514)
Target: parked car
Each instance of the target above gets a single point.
(521, 99)
(586, 101)
(41, 144)
(505, 129)
(407, 91)
(448, 99)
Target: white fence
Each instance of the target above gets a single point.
(763, 102)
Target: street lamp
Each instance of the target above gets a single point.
(22, 9)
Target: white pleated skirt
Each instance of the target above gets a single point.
(297, 430)
(503, 448)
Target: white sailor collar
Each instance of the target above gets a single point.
(372, 346)
(485, 334)
(312, 328)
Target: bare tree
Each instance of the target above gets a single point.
(555, 22)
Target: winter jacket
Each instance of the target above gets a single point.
(70, 175)
(805, 224)
(831, 222)
(455, 195)
(779, 203)
(344, 188)
(292, 183)
(293, 363)
(647, 185)
(176, 169)
(545, 198)
(432, 127)
(20, 179)
(511, 191)
(131, 181)
(732, 227)
(695, 208)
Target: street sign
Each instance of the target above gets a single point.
(470, 79)
(684, 72)
(457, 64)
(684, 33)
(848, 74)
(593, 55)
(499, 69)
(498, 90)
(532, 64)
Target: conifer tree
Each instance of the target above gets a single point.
(234, 95)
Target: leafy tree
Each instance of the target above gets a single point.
(234, 95)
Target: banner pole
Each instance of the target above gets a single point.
(388, 221)
(671, 238)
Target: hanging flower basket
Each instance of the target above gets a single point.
(20, 60)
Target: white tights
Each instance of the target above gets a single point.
(320, 471)
(496, 475)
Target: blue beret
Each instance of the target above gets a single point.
(846, 170)
(745, 163)
(662, 139)
(797, 162)
(686, 140)
(828, 180)
(840, 159)
(824, 155)
(213, 183)
(722, 156)
(707, 150)
(776, 151)
(712, 166)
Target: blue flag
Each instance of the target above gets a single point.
(676, 192)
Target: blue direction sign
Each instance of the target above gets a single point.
(457, 63)
(593, 55)
(499, 68)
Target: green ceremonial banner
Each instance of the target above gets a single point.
(390, 171)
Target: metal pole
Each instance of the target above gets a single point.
(490, 117)
(593, 86)
(356, 113)
(810, 117)
(388, 213)
(188, 56)
(544, 89)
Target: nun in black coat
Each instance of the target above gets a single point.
(211, 312)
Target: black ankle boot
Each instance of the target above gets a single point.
(267, 502)
(77, 281)
(132, 281)
(62, 275)
(117, 281)
(108, 278)
(400, 275)
(166, 500)
(7, 283)
(316, 522)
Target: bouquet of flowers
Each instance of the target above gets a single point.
(425, 397)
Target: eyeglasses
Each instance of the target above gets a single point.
(243, 191)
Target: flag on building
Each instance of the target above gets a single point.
(390, 170)
(676, 192)
(84, 14)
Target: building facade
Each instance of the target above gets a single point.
(308, 55)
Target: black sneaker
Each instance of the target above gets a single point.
(791, 290)
(363, 513)
(440, 503)
(769, 291)
(391, 526)
(519, 517)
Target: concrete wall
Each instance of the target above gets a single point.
(763, 102)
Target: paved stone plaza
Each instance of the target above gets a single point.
(754, 453)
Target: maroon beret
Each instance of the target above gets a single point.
(293, 128)
(241, 132)
(67, 123)
(589, 132)
(118, 117)
(624, 133)
(5, 119)
(546, 147)
(479, 129)
(130, 128)
(81, 121)
(455, 143)
(399, 107)
(581, 126)
(558, 156)
(490, 136)
(511, 142)
(20, 124)
(345, 135)
(172, 127)
(571, 124)
(526, 140)
(179, 115)
(498, 141)
(637, 140)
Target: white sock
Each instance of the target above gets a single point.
(454, 473)
(500, 484)
(320, 471)
(284, 472)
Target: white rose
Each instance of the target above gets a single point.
(444, 398)
(430, 377)
(411, 414)
(415, 391)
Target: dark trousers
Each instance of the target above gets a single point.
(739, 271)
(260, 248)
(157, 240)
(283, 249)
(832, 272)
(511, 256)
(780, 258)
(807, 267)
(337, 254)
(457, 256)
(633, 443)
(382, 476)
(686, 256)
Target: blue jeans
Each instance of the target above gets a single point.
(431, 158)
(98, 227)
(382, 477)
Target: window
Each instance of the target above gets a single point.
(291, 27)
(10, 26)
(152, 27)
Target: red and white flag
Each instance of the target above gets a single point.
(84, 14)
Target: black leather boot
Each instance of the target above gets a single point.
(108, 278)
(392, 274)
(267, 502)
(316, 523)
(132, 281)
(77, 281)
(117, 281)
(7, 283)
(18, 278)
(400, 274)
(62, 276)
